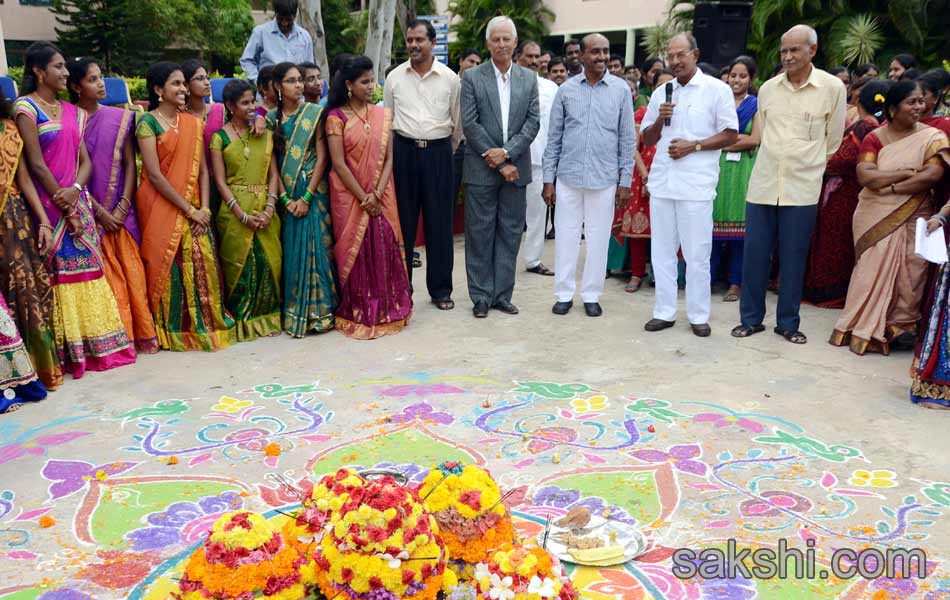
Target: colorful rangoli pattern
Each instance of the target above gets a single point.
(688, 474)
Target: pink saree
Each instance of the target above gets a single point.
(89, 333)
(374, 286)
(888, 280)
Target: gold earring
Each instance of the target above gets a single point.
(349, 93)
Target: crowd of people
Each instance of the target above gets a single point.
(196, 225)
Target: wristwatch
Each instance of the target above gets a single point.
(699, 147)
(507, 156)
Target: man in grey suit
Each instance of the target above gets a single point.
(500, 118)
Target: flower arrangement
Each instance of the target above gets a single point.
(518, 572)
(466, 503)
(244, 558)
(381, 544)
(329, 494)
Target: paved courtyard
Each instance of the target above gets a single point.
(696, 440)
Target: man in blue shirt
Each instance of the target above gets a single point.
(590, 152)
(277, 41)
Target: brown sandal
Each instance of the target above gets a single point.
(732, 294)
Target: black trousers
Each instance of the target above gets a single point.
(424, 182)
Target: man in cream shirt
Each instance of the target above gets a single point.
(424, 96)
(802, 112)
(528, 55)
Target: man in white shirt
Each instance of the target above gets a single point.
(702, 120)
(528, 56)
(424, 97)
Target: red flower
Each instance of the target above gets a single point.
(426, 571)
(375, 583)
(347, 574)
(472, 499)
(376, 534)
(407, 577)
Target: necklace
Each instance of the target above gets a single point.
(244, 138)
(204, 112)
(168, 124)
(52, 107)
(360, 117)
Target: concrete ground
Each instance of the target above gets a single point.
(698, 440)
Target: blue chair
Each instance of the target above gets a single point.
(117, 92)
(217, 88)
(9, 88)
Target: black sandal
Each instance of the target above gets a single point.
(444, 303)
(743, 331)
(795, 337)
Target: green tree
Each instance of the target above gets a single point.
(214, 28)
(531, 17)
(120, 33)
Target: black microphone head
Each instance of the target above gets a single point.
(669, 91)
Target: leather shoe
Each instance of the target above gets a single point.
(703, 330)
(658, 325)
(480, 310)
(506, 307)
(562, 308)
(593, 309)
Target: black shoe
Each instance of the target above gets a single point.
(549, 235)
(658, 325)
(702, 330)
(480, 310)
(506, 307)
(593, 309)
(562, 308)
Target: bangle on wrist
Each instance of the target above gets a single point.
(893, 190)
(77, 187)
(47, 225)
(191, 211)
(284, 199)
(307, 196)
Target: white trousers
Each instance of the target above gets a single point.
(535, 215)
(685, 224)
(593, 212)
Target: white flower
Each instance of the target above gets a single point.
(482, 574)
(501, 588)
(394, 561)
(544, 589)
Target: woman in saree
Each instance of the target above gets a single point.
(735, 169)
(24, 281)
(831, 254)
(634, 219)
(88, 330)
(309, 293)
(111, 187)
(184, 283)
(374, 285)
(898, 167)
(211, 115)
(245, 171)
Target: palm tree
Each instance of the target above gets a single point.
(854, 40)
(531, 18)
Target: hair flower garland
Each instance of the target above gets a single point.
(466, 503)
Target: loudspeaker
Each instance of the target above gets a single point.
(721, 30)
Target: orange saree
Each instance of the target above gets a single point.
(888, 280)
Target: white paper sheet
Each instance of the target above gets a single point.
(932, 247)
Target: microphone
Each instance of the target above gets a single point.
(669, 100)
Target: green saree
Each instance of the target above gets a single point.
(310, 295)
(250, 260)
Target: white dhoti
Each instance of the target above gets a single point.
(535, 215)
(685, 224)
(593, 212)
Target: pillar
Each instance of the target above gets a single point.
(631, 47)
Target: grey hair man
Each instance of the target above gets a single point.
(802, 115)
(500, 118)
(689, 133)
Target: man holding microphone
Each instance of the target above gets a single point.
(690, 120)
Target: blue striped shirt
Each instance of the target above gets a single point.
(591, 134)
